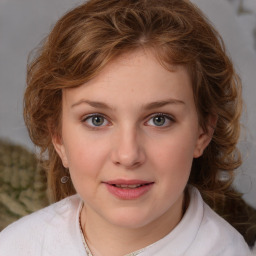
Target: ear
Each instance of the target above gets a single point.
(205, 137)
(60, 149)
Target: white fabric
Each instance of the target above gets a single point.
(54, 231)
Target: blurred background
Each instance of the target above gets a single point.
(24, 23)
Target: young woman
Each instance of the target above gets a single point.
(136, 108)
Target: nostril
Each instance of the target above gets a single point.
(129, 165)
(128, 153)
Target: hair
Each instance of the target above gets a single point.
(88, 37)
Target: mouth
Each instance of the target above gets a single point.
(128, 189)
(126, 186)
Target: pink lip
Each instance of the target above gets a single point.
(128, 193)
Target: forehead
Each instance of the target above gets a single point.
(137, 75)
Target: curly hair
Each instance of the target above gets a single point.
(88, 37)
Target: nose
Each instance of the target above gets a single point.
(128, 150)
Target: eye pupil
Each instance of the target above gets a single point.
(97, 120)
(159, 120)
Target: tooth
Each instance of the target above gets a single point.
(128, 186)
(133, 186)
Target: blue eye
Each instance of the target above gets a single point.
(95, 120)
(160, 120)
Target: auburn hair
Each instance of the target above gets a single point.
(88, 37)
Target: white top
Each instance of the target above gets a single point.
(55, 231)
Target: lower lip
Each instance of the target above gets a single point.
(129, 193)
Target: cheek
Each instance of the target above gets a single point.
(85, 156)
(86, 161)
(173, 159)
(174, 167)
(174, 151)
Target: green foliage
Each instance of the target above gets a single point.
(23, 187)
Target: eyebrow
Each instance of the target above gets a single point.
(94, 104)
(152, 105)
(162, 103)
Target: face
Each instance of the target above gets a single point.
(129, 137)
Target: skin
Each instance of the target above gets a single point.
(132, 141)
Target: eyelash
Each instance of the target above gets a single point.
(167, 117)
(86, 118)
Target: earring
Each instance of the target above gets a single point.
(64, 179)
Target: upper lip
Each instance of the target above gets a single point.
(127, 182)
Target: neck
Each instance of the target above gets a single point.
(122, 240)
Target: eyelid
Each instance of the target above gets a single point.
(161, 114)
(86, 117)
(168, 116)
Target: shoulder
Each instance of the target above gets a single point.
(47, 216)
(216, 235)
(28, 234)
(201, 232)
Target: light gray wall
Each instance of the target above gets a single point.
(236, 21)
(24, 23)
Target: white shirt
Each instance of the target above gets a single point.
(55, 231)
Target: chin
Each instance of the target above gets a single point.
(130, 218)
